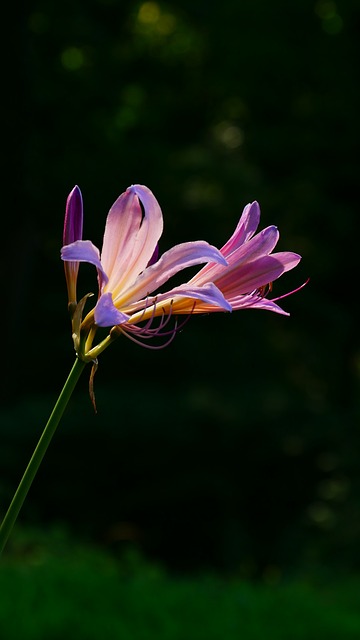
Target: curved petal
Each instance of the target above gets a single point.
(155, 256)
(179, 257)
(260, 245)
(180, 300)
(245, 229)
(84, 251)
(106, 314)
(237, 302)
(256, 302)
(207, 293)
(122, 224)
(131, 236)
(244, 278)
(288, 259)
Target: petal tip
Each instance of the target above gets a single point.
(106, 314)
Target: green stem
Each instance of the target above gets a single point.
(34, 464)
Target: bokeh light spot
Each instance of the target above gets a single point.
(166, 24)
(149, 13)
(72, 58)
(228, 134)
(333, 489)
(321, 515)
(331, 22)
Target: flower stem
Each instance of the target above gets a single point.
(35, 461)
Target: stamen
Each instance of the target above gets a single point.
(140, 335)
(129, 334)
(146, 331)
(265, 289)
(285, 295)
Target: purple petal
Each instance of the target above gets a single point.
(171, 262)
(207, 293)
(245, 229)
(256, 302)
(106, 314)
(73, 223)
(84, 251)
(155, 256)
(260, 245)
(288, 259)
(244, 278)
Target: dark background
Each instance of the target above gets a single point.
(235, 449)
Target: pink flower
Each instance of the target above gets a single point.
(130, 274)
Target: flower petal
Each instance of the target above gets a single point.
(155, 256)
(131, 236)
(106, 314)
(180, 300)
(256, 302)
(73, 228)
(260, 245)
(245, 229)
(179, 257)
(73, 223)
(207, 293)
(288, 259)
(84, 251)
(122, 224)
(244, 278)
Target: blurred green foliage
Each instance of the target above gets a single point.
(62, 589)
(237, 448)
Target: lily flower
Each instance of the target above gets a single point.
(129, 271)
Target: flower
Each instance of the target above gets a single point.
(129, 271)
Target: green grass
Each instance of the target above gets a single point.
(83, 593)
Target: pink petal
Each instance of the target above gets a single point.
(288, 259)
(122, 224)
(131, 236)
(256, 302)
(245, 229)
(179, 257)
(260, 245)
(208, 293)
(244, 278)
